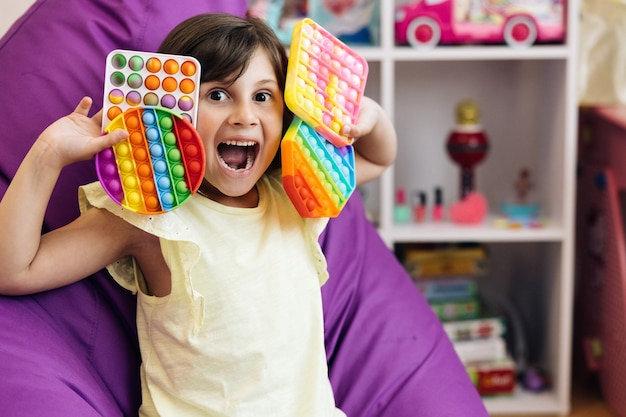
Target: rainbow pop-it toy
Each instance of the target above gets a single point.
(318, 176)
(159, 166)
(325, 81)
(153, 96)
(134, 79)
(324, 86)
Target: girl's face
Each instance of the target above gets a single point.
(241, 127)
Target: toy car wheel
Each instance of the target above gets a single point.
(520, 32)
(423, 32)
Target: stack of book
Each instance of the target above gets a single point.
(481, 346)
(447, 276)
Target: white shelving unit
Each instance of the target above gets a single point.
(529, 111)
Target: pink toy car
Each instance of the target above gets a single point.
(519, 23)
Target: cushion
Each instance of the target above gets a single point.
(388, 354)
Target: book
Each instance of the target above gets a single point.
(449, 289)
(478, 328)
(431, 262)
(481, 350)
(456, 309)
(493, 377)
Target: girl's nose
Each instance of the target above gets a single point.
(243, 115)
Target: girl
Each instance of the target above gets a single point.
(229, 309)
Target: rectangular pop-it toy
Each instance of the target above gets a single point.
(146, 79)
(325, 81)
(318, 176)
(154, 97)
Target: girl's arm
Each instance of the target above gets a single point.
(376, 141)
(30, 262)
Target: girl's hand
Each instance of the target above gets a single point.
(77, 137)
(375, 142)
(369, 113)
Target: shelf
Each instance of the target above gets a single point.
(524, 402)
(528, 104)
(466, 53)
(450, 232)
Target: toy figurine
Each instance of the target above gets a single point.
(523, 185)
(522, 213)
(467, 144)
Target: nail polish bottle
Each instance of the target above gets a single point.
(401, 210)
(438, 205)
(419, 208)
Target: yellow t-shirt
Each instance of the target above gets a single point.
(241, 333)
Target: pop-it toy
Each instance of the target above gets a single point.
(134, 79)
(159, 166)
(325, 81)
(318, 176)
(324, 86)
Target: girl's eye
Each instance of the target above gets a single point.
(217, 95)
(262, 96)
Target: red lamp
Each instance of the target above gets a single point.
(467, 144)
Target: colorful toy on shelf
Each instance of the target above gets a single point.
(467, 144)
(325, 81)
(317, 176)
(355, 22)
(154, 97)
(401, 208)
(324, 86)
(158, 167)
(522, 213)
(280, 15)
(438, 207)
(134, 79)
(518, 23)
(419, 206)
(472, 209)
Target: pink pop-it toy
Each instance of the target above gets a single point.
(325, 81)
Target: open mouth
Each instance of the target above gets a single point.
(237, 155)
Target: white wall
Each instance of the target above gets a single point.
(11, 10)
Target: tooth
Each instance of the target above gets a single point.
(237, 143)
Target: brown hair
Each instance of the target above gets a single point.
(224, 45)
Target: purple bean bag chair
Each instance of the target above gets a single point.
(73, 351)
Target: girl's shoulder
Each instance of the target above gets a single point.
(167, 225)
